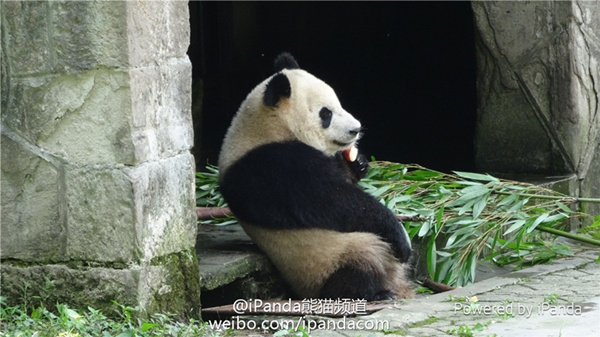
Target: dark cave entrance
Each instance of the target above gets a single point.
(406, 70)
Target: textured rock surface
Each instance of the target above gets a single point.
(539, 89)
(97, 177)
(168, 284)
(164, 194)
(50, 37)
(27, 180)
(161, 120)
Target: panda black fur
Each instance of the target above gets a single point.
(284, 178)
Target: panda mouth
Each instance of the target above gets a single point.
(341, 144)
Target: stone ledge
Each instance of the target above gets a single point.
(226, 254)
(166, 284)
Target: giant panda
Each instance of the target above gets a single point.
(284, 178)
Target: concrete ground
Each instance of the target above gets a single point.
(561, 298)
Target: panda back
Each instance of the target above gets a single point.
(287, 185)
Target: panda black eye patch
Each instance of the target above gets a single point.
(325, 115)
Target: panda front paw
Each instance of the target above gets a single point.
(403, 253)
(402, 245)
(356, 169)
(360, 166)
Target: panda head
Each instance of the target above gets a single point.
(290, 105)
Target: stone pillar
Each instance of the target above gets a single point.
(538, 86)
(97, 176)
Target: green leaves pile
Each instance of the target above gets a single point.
(461, 217)
(207, 188)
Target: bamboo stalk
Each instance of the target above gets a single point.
(551, 197)
(568, 235)
(208, 213)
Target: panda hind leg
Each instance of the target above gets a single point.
(350, 282)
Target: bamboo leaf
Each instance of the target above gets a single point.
(537, 221)
(457, 240)
(463, 183)
(424, 229)
(479, 206)
(438, 219)
(443, 270)
(508, 243)
(562, 206)
(225, 223)
(520, 234)
(516, 188)
(378, 192)
(472, 264)
(516, 225)
(422, 175)
(470, 193)
(470, 222)
(425, 212)
(444, 191)
(494, 241)
(517, 206)
(450, 241)
(555, 217)
(466, 207)
(431, 257)
(474, 191)
(508, 200)
(402, 198)
(476, 176)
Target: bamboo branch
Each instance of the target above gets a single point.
(208, 213)
(568, 235)
(410, 218)
(552, 197)
(436, 287)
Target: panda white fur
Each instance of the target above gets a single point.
(283, 177)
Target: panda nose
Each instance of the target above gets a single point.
(354, 132)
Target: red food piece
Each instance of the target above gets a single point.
(350, 154)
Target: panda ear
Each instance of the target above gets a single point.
(278, 87)
(285, 60)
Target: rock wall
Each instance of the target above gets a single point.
(539, 90)
(97, 175)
